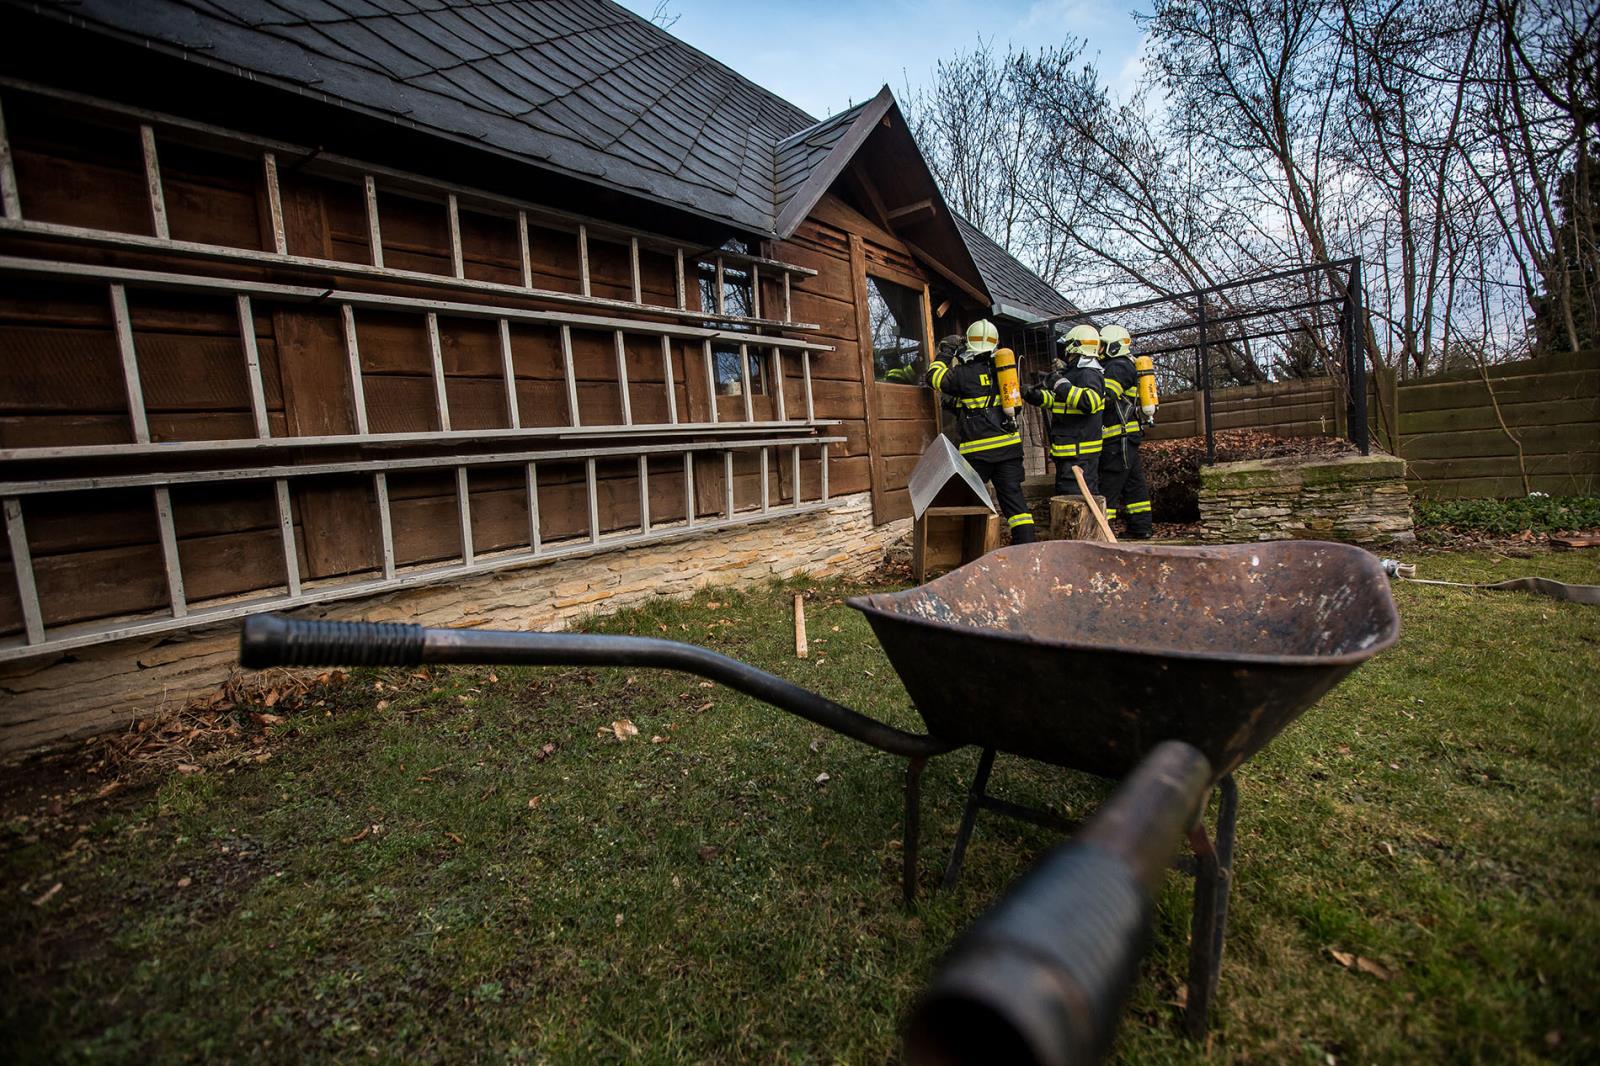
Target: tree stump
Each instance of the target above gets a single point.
(1071, 519)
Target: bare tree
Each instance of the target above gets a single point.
(1443, 142)
(663, 15)
(981, 143)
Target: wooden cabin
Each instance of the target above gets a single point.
(362, 311)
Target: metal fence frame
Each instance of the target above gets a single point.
(1344, 275)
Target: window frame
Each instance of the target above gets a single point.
(734, 280)
(919, 290)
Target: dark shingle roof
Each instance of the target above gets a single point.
(800, 154)
(585, 87)
(1010, 284)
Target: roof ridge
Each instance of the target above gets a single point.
(808, 130)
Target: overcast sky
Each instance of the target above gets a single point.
(826, 55)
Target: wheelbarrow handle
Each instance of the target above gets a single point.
(273, 640)
(1043, 975)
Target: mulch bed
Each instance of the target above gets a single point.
(1173, 466)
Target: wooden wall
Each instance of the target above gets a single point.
(1453, 443)
(887, 425)
(1283, 408)
(97, 554)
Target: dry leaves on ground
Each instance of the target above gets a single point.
(1362, 964)
(623, 728)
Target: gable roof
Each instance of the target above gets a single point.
(583, 87)
(1017, 292)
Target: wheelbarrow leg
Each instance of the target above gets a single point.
(913, 827)
(969, 818)
(1212, 880)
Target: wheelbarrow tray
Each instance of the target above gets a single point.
(1087, 655)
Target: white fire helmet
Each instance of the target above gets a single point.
(1080, 341)
(1116, 341)
(982, 336)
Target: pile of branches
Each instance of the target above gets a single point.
(1173, 466)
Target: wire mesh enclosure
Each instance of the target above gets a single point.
(1280, 351)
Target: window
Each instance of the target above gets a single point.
(899, 349)
(725, 361)
(738, 298)
(738, 289)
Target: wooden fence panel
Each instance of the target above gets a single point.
(1450, 425)
(1455, 445)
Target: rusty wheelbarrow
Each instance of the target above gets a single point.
(1165, 667)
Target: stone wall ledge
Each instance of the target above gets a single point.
(1361, 499)
(1291, 470)
(50, 698)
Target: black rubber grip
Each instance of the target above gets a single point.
(272, 640)
(1043, 976)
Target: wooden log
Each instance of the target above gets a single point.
(1071, 519)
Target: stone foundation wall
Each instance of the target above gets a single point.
(102, 687)
(1359, 499)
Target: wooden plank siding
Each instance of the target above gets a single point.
(98, 554)
(887, 425)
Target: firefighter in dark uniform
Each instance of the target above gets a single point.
(1073, 399)
(986, 435)
(949, 349)
(1122, 480)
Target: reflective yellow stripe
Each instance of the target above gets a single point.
(1131, 427)
(1066, 451)
(1097, 402)
(1111, 512)
(984, 444)
(980, 401)
(1114, 387)
(1019, 520)
(936, 373)
(1139, 508)
(1113, 430)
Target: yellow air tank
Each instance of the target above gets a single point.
(1145, 367)
(1005, 374)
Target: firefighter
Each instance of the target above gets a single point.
(986, 434)
(1122, 480)
(949, 349)
(1073, 399)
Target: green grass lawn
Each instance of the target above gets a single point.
(469, 865)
